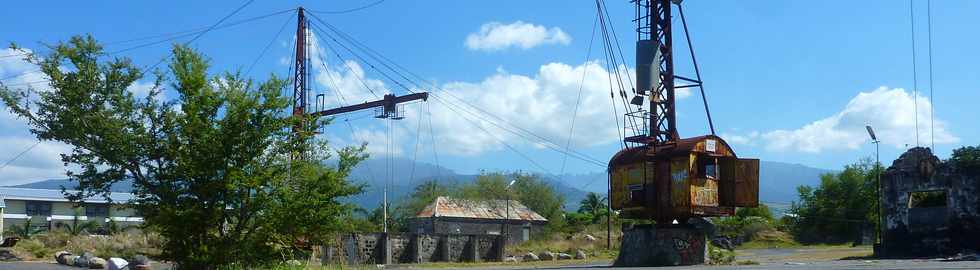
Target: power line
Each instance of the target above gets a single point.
(273, 41)
(19, 155)
(932, 110)
(385, 62)
(578, 100)
(186, 33)
(915, 80)
(349, 10)
(199, 35)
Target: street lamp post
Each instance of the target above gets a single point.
(877, 168)
(503, 226)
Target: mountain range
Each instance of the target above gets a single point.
(777, 181)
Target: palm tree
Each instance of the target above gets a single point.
(78, 226)
(593, 204)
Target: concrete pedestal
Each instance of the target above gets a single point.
(647, 245)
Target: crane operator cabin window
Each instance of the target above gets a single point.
(708, 167)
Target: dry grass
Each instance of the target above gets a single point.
(568, 244)
(770, 239)
(125, 245)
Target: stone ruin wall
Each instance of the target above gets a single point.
(929, 231)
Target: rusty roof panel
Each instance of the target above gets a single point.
(492, 209)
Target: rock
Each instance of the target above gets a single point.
(59, 254)
(564, 256)
(140, 262)
(530, 257)
(96, 263)
(546, 256)
(511, 259)
(293, 263)
(82, 261)
(7, 256)
(70, 261)
(723, 242)
(117, 264)
(580, 255)
(589, 237)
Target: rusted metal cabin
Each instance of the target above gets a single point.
(693, 177)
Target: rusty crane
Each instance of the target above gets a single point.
(663, 176)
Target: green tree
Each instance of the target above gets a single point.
(761, 211)
(217, 171)
(529, 189)
(840, 208)
(967, 159)
(594, 205)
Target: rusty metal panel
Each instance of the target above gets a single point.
(680, 169)
(747, 182)
(726, 184)
(704, 192)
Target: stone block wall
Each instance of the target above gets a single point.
(647, 245)
(381, 248)
(929, 231)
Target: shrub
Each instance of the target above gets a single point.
(718, 256)
(34, 248)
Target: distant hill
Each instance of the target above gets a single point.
(778, 182)
(123, 186)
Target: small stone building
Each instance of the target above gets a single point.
(929, 207)
(496, 217)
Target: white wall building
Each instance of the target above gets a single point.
(49, 209)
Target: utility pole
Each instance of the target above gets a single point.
(301, 72)
(877, 168)
(389, 104)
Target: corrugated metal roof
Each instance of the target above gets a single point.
(11, 193)
(493, 209)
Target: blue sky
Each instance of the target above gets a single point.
(789, 81)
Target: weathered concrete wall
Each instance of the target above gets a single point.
(381, 248)
(929, 231)
(648, 245)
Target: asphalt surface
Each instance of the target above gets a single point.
(807, 259)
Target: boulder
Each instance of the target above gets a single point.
(58, 256)
(96, 263)
(70, 260)
(564, 256)
(117, 264)
(530, 257)
(580, 255)
(511, 259)
(7, 256)
(547, 256)
(140, 262)
(82, 261)
(62, 257)
(589, 237)
(723, 242)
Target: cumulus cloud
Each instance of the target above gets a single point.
(495, 36)
(888, 110)
(541, 103)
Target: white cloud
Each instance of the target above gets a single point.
(495, 36)
(682, 93)
(889, 111)
(542, 103)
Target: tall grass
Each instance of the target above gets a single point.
(124, 245)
